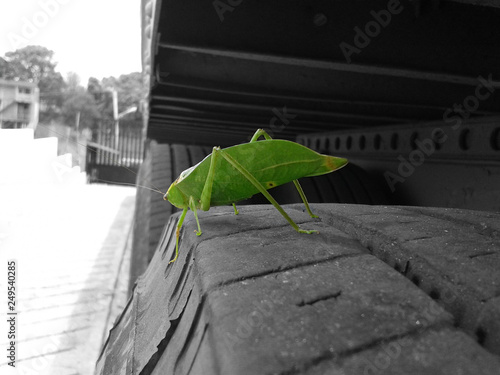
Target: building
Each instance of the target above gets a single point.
(19, 104)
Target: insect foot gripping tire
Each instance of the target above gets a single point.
(380, 290)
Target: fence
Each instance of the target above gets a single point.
(111, 162)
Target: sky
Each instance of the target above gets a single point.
(93, 38)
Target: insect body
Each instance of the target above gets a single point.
(236, 173)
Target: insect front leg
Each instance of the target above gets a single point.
(177, 233)
(262, 189)
(192, 206)
(303, 197)
(206, 194)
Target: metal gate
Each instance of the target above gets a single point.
(112, 161)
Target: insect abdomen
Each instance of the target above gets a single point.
(271, 162)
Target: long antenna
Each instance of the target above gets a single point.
(130, 184)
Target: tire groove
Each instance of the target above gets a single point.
(462, 222)
(280, 270)
(328, 355)
(205, 329)
(313, 301)
(192, 330)
(150, 366)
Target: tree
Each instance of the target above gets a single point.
(35, 64)
(72, 81)
(3, 67)
(129, 88)
(78, 102)
(63, 100)
(31, 63)
(95, 89)
(103, 101)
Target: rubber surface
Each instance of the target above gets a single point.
(141, 249)
(381, 290)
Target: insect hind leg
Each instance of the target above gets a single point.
(206, 194)
(260, 133)
(262, 189)
(263, 133)
(303, 197)
(177, 233)
(236, 212)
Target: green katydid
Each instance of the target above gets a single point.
(236, 173)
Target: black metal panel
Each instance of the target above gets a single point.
(413, 39)
(234, 69)
(454, 163)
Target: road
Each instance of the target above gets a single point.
(71, 246)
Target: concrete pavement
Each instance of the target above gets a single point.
(71, 244)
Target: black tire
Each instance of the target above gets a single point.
(351, 184)
(389, 290)
(141, 226)
(164, 163)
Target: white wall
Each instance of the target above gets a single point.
(28, 161)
